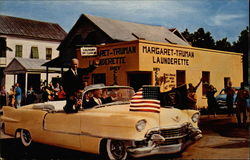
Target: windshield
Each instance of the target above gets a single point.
(102, 96)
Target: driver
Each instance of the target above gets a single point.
(97, 99)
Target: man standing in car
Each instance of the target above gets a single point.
(73, 84)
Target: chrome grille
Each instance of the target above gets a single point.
(170, 141)
(175, 132)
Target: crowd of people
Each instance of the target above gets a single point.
(240, 100)
(15, 97)
(11, 98)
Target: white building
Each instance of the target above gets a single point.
(27, 39)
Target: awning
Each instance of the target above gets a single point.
(59, 62)
(23, 65)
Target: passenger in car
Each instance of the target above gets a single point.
(97, 99)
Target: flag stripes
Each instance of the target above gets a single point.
(138, 103)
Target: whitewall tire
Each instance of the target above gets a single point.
(114, 150)
(25, 137)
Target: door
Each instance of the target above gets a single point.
(21, 81)
(99, 78)
(180, 77)
(138, 79)
(205, 81)
(65, 129)
(34, 81)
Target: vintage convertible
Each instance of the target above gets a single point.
(133, 124)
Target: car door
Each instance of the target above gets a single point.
(63, 129)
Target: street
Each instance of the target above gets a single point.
(222, 139)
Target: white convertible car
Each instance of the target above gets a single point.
(134, 124)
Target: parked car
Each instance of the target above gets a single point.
(132, 125)
(221, 98)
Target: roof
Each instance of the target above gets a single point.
(30, 28)
(128, 31)
(59, 62)
(22, 65)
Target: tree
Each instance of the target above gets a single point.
(242, 46)
(203, 39)
(200, 38)
(223, 45)
(188, 36)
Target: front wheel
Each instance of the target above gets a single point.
(26, 137)
(113, 150)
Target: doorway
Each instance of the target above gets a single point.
(138, 79)
(21, 81)
(34, 81)
(99, 78)
(180, 77)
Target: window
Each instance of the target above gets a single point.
(205, 81)
(34, 53)
(180, 77)
(3, 47)
(48, 53)
(19, 51)
(99, 78)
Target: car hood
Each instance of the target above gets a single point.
(166, 117)
(221, 97)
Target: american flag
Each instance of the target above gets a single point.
(140, 103)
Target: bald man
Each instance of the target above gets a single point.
(73, 83)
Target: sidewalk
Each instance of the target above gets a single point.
(222, 139)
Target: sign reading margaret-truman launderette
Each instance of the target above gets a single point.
(88, 51)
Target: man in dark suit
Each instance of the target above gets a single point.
(73, 84)
(97, 99)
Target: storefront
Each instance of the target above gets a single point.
(141, 62)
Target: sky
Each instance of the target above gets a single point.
(222, 18)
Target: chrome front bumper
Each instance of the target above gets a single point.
(156, 144)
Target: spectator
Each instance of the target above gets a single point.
(56, 90)
(45, 95)
(30, 90)
(11, 97)
(229, 90)
(241, 106)
(18, 95)
(61, 93)
(2, 96)
(191, 88)
(31, 96)
(191, 95)
(50, 90)
(211, 101)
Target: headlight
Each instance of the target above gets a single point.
(140, 125)
(195, 117)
